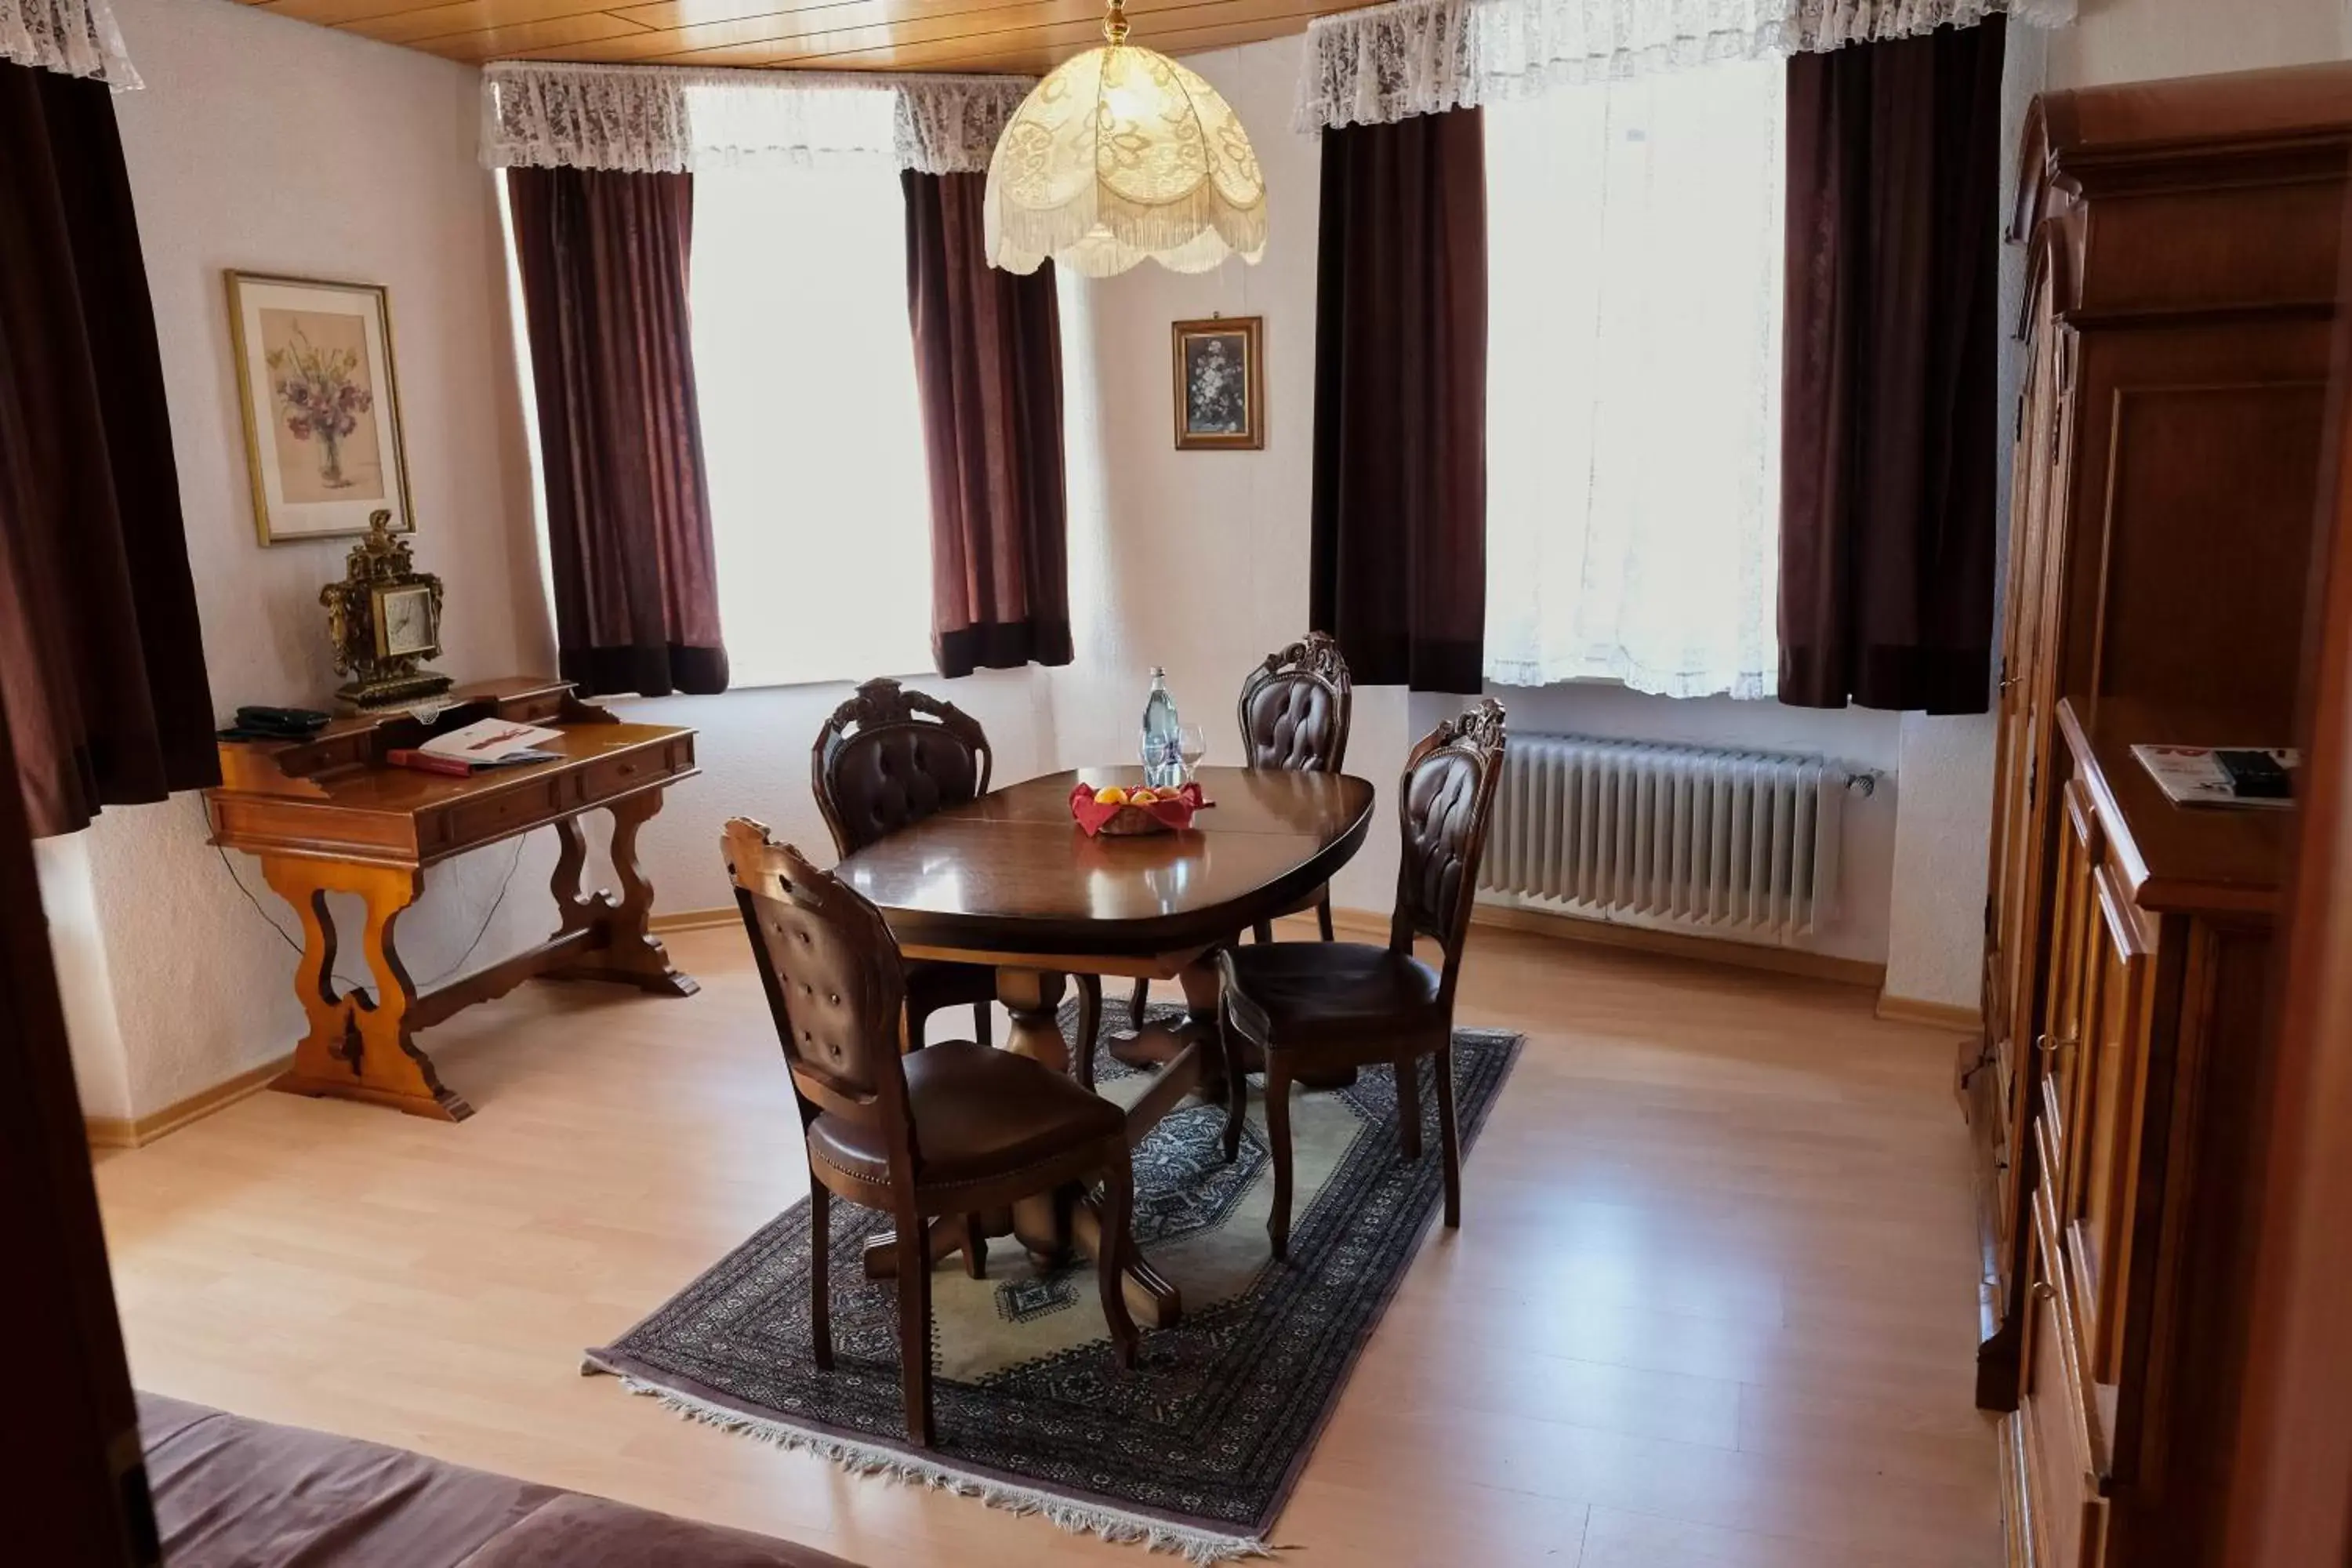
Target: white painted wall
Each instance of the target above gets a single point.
(85, 988)
(2141, 40)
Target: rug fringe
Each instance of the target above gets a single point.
(1201, 1547)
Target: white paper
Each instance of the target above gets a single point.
(490, 740)
(2192, 776)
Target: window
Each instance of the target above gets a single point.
(1633, 381)
(804, 368)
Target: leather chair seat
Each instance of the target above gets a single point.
(980, 1114)
(1315, 992)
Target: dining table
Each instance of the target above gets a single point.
(1011, 881)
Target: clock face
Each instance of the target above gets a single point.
(407, 621)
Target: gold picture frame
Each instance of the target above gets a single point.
(320, 392)
(1218, 371)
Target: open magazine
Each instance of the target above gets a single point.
(486, 743)
(2193, 775)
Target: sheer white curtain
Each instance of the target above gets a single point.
(804, 367)
(1633, 384)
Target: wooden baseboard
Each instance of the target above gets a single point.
(1680, 944)
(694, 920)
(1935, 1015)
(136, 1132)
(1364, 922)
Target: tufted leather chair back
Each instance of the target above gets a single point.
(890, 757)
(1443, 805)
(831, 970)
(1294, 709)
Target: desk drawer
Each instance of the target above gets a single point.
(539, 708)
(493, 816)
(610, 776)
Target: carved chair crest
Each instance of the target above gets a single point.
(1316, 654)
(1478, 727)
(877, 709)
(1314, 661)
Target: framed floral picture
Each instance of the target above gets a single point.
(314, 376)
(1220, 385)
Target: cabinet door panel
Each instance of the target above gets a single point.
(2073, 974)
(2068, 1513)
(2112, 1088)
(2027, 698)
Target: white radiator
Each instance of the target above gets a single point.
(1678, 833)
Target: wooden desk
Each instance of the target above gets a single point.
(328, 814)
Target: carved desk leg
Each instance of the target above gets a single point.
(630, 953)
(357, 1048)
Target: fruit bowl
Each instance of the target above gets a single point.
(1114, 813)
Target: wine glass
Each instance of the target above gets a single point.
(1192, 744)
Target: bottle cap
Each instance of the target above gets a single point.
(1157, 673)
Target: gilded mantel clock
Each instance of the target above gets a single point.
(384, 618)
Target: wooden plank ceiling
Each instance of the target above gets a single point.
(807, 35)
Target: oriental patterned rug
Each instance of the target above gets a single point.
(1196, 1449)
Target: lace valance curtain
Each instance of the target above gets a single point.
(1424, 57)
(73, 37)
(661, 120)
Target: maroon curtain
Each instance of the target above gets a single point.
(988, 361)
(1888, 423)
(101, 660)
(1398, 573)
(603, 257)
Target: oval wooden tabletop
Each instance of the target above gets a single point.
(1010, 872)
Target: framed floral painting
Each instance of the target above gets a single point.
(314, 375)
(1220, 385)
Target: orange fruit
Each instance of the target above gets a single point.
(1114, 796)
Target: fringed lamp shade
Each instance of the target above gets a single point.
(1119, 154)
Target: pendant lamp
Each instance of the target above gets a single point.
(1118, 154)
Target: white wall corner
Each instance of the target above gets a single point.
(1943, 823)
(85, 983)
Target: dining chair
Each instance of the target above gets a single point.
(1316, 1007)
(955, 1129)
(1294, 711)
(886, 760)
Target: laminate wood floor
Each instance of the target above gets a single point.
(1713, 1304)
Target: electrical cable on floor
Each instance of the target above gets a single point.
(348, 985)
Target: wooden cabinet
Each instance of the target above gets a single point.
(2184, 246)
(2138, 1214)
(2183, 240)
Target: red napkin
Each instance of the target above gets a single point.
(1178, 813)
